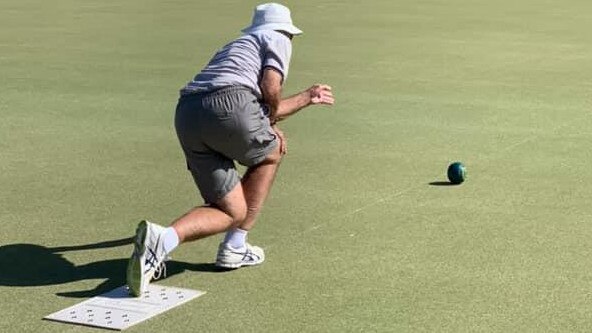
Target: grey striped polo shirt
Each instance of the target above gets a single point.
(240, 63)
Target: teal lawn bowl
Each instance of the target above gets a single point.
(457, 173)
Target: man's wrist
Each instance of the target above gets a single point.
(308, 97)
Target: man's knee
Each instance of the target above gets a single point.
(237, 212)
(234, 205)
(274, 157)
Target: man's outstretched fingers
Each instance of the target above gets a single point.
(321, 94)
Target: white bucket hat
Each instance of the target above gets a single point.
(272, 16)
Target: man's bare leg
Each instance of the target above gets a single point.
(257, 183)
(205, 221)
(239, 208)
(235, 252)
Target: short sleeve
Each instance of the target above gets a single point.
(278, 51)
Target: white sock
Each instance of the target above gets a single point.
(236, 238)
(170, 240)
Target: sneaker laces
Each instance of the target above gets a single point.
(160, 270)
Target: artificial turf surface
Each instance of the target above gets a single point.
(360, 232)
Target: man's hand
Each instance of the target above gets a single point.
(321, 94)
(283, 142)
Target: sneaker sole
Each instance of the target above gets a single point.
(238, 265)
(234, 266)
(134, 265)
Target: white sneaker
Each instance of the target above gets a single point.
(147, 260)
(229, 257)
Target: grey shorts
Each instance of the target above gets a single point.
(217, 128)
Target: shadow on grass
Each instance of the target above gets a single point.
(29, 265)
(440, 183)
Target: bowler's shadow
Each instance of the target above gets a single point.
(27, 265)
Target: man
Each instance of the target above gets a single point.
(228, 113)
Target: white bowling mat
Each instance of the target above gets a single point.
(116, 310)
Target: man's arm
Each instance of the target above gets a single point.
(271, 88)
